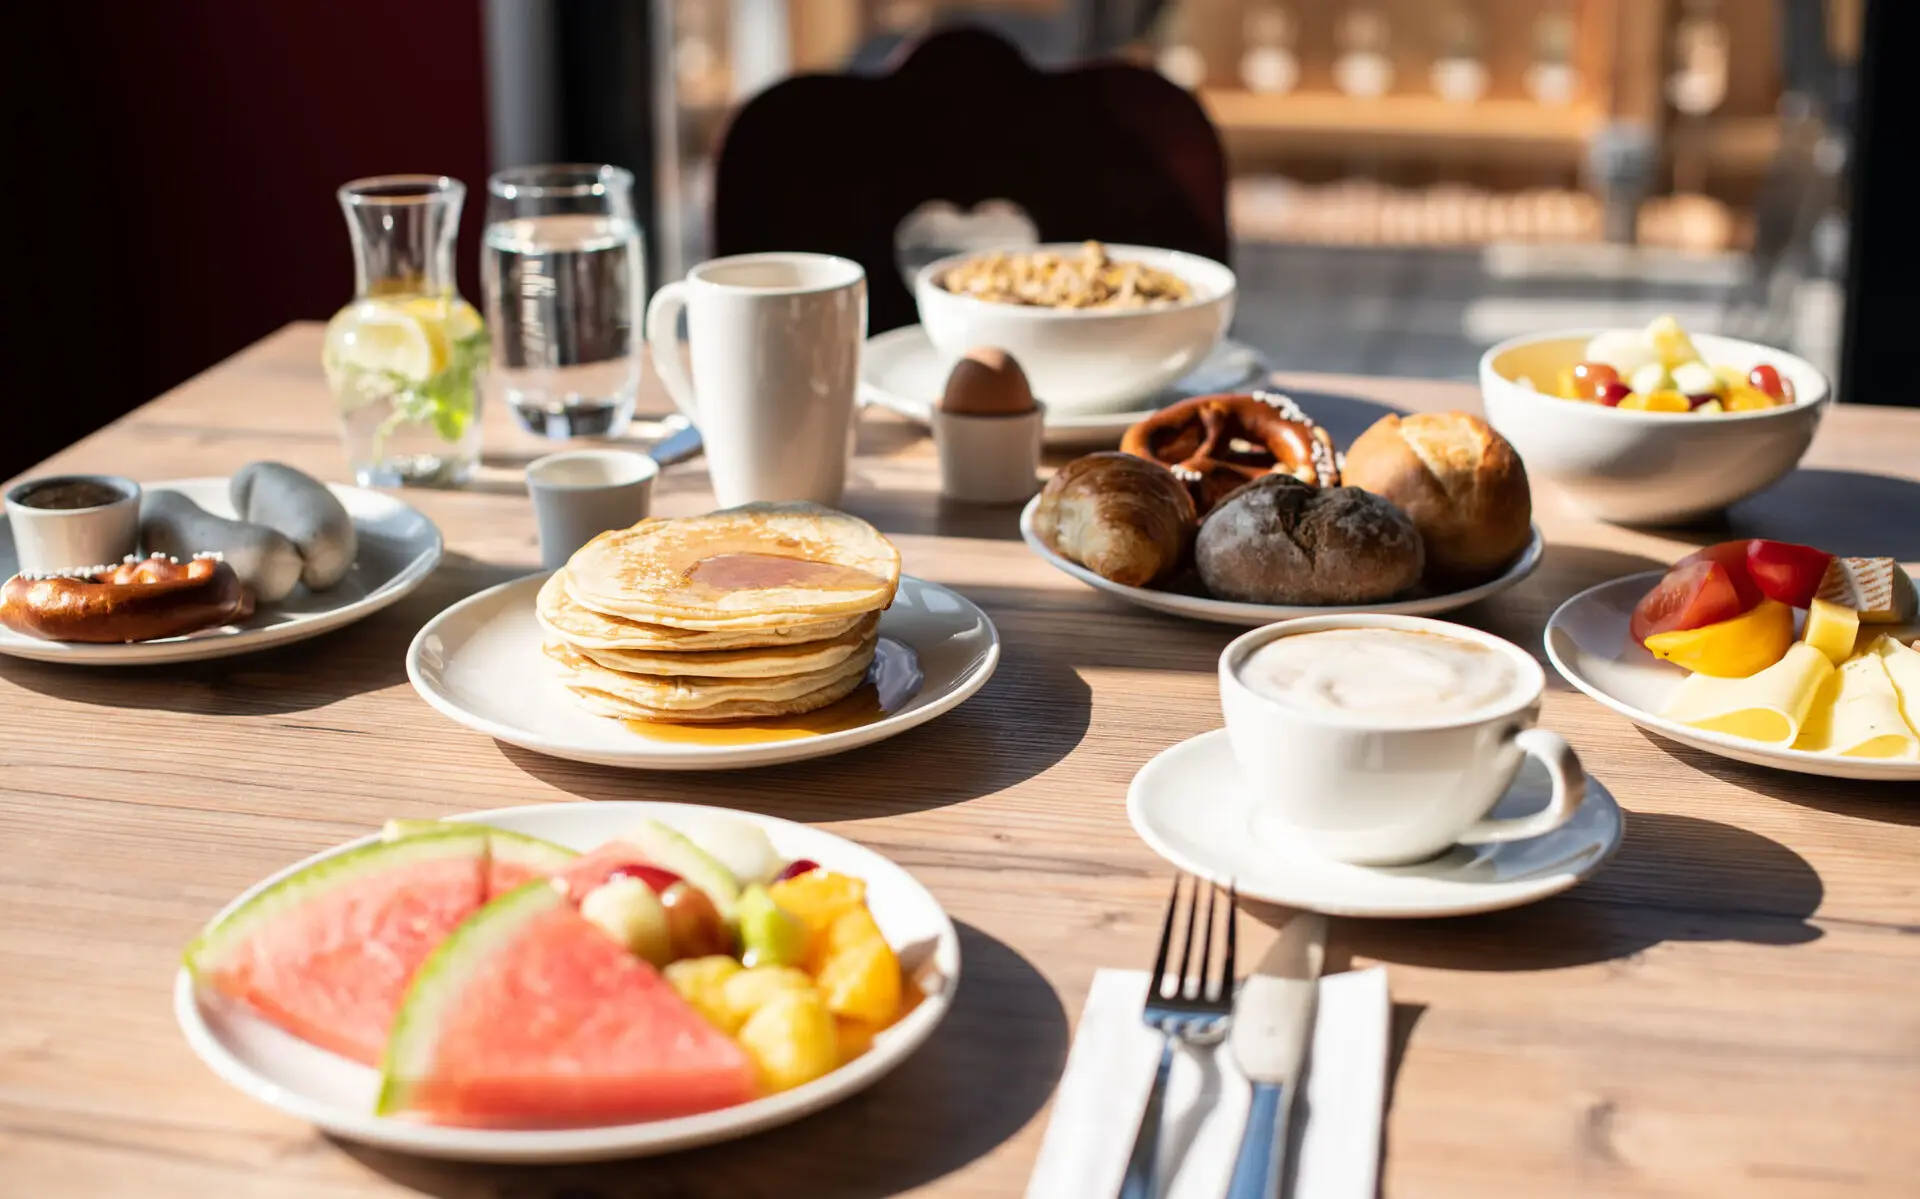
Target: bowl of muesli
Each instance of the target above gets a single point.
(1096, 327)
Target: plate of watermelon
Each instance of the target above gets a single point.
(569, 982)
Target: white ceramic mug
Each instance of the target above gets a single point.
(580, 494)
(775, 345)
(1382, 791)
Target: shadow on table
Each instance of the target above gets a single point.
(983, 1075)
(1889, 803)
(369, 655)
(1845, 512)
(989, 743)
(1675, 878)
(927, 514)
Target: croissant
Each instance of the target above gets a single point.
(1124, 518)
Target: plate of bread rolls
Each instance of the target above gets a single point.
(1240, 509)
(215, 567)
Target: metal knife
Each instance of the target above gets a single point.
(677, 447)
(1272, 1023)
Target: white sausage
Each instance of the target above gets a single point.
(265, 560)
(301, 507)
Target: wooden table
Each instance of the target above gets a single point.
(1731, 1007)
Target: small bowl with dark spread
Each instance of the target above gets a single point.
(72, 522)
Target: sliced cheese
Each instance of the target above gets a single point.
(1832, 629)
(1877, 588)
(1857, 715)
(1903, 667)
(1769, 706)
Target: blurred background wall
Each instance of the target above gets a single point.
(176, 174)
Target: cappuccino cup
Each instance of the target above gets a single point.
(1383, 740)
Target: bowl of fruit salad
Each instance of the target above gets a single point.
(1652, 426)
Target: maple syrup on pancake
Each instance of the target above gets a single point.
(756, 571)
(893, 679)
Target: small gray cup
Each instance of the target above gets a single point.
(70, 522)
(580, 494)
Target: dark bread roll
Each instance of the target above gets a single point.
(1280, 541)
(1462, 484)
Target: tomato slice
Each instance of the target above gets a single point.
(1693, 594)
(1787, 572)
(1733, 556)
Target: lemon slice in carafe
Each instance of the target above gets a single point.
(388, 339)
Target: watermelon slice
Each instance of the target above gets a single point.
(327, 953)
(512, 858)
(529, 1016)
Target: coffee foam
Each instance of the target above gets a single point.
(1393, 675)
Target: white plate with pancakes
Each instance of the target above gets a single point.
(901, 371)
(1195, 606)
(748, 637)
(1589, 643)
(398, 549)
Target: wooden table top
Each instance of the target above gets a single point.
(1732, 1006)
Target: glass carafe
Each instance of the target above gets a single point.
(405, 358)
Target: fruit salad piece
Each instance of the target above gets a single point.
(1733, 649)
(859, 974)
(671, 849)
(769, 934)
(792, 1039)
(630, 911)
(817, 899)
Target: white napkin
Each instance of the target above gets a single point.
(1111, 1068)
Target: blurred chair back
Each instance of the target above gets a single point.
(834, 163)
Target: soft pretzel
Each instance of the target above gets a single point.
(1219, 442)
(142, 599)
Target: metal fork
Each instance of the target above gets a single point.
(1184, 1010)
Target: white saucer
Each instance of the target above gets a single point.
(1187, 804)
(1200, 607)
(900, 370)
(398, 549)
(1589, 644)
(480, 664)
(308, 1083)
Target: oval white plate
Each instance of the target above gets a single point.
(480, 664)
(337, 1095)
(399, 548)
(901, 371)
(1200, 607)
(1187, 804)
(1588, 643)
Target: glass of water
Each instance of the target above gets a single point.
(564, 279)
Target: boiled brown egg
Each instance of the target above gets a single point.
(987, 382)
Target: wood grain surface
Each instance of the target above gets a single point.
(1732, 1006)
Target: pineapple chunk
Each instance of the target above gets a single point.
(1667, 339)
(860, 976)
(1730, 377)
(792, 1038)
(1831, 629)
(751, 989)
(702, 982)
(1647, 379)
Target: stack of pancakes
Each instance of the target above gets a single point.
(758, 611)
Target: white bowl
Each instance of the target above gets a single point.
(1086, 359)
(1634, 467)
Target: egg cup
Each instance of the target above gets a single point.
(991, 459)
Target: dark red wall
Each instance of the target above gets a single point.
(180, 159)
